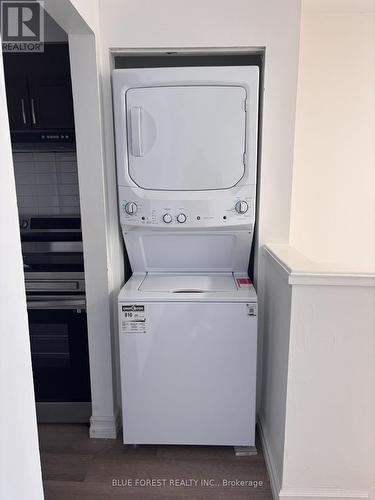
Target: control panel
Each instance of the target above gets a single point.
(204, 211)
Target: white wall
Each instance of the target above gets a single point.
(318, 401)
(89, 11)
(83, 48)
(240, 23)
(121, 24)
(327, 329)
(331, 386)
(20, 474)
(91, 173)
(333, 209)
(276, 333)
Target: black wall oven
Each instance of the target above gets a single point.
(60, 358)
(56, 304)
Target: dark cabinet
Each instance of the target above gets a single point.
(51, 103)
(18, 103)
(39, 96)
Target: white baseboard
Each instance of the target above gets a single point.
(106, 427)
(322, 494)
(275, 480)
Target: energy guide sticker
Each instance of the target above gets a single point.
(133, 319)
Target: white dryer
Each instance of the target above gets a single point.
(186, 146)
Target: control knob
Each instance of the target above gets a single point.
(167, 218)
(181, 218)
(131, 208)
(241, 207)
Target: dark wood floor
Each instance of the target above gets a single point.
(78, 468)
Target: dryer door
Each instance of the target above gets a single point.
(186, 138)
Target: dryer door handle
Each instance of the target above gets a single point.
(136, 130)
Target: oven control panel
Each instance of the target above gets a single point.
(198, 210)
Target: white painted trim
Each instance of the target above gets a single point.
(301, 271)
(277, 263)
(322, 494)
(106, 427)
(187, 51)
(332, 279)
(272, 474)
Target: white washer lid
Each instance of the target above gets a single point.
(185, 283)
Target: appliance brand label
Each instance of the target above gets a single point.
(133, 308)
(133, 319)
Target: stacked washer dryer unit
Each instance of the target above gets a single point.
(186, 144)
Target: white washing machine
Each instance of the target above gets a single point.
(186, 146)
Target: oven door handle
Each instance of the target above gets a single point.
(57, 304)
